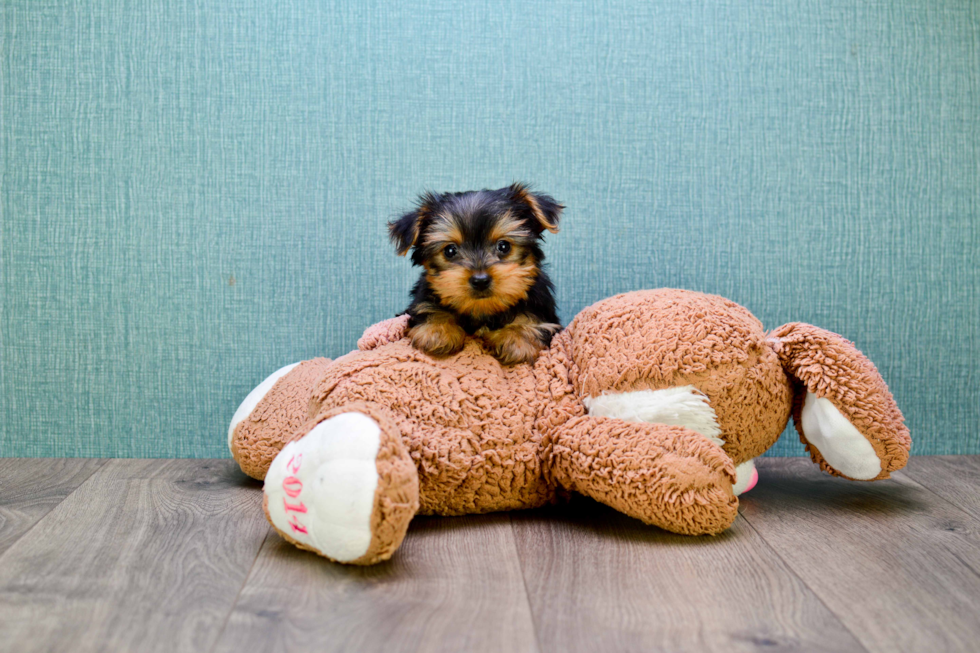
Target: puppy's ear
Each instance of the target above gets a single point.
(405, 231)
(545, 211)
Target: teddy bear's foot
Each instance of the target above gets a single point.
(347, 489)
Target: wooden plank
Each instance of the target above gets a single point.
(147, 555)
(454, 585)
(31, 487)
(954, 478)
(598, 580)
(897, 564)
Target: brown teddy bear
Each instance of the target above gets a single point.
(652, 402)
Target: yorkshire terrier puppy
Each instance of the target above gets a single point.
(481, 254)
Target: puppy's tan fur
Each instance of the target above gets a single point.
(511, 281)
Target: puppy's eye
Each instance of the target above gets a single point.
(450, 251)
(503, 247)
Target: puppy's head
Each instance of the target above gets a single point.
(480, 249)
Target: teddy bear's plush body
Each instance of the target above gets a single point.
(648, 402)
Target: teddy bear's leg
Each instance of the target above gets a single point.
(842, 409)
(669, 476)
(271, 413)
(345, 487)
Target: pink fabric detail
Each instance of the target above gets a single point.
(294, 507)
(296, 526)
(292, 486)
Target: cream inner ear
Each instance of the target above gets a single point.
(681, 406)
(839, 442)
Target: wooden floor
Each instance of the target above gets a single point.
(175, 555)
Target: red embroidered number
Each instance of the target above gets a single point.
(292, 486)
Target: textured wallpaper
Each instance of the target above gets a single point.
(194, 193)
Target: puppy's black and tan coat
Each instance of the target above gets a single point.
(481, 254)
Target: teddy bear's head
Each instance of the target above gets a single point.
(630, 350)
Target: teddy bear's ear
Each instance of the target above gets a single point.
(842, 409)
(544, 210)
(406, 230)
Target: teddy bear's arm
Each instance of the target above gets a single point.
(383, 333)
(842, 408)
(669, 476)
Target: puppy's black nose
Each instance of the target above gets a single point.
(479, 281)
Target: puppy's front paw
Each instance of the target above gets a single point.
(520, 341)
(512, 349)
(437, 337)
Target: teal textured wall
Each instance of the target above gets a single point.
(194, 193)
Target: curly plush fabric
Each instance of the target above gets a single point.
(465, 435)
(467, 421)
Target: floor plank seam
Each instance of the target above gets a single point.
(527, 594)
(904, 474)
(238, 596)
(814, 592)
(969, 515)
(102, 463)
